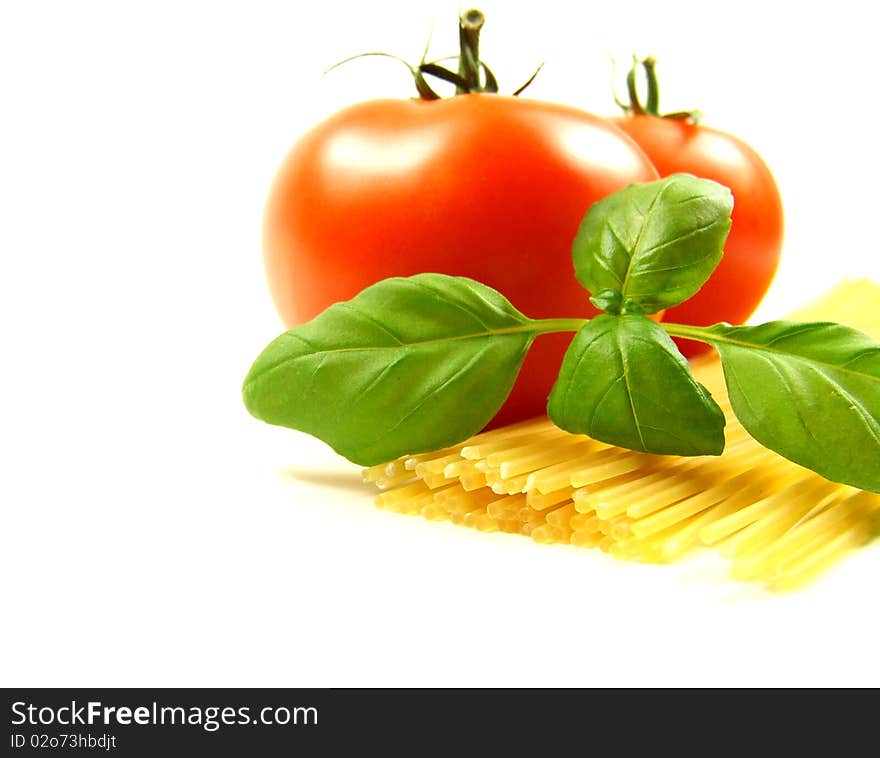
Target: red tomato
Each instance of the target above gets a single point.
(752, 251)
(480, 185)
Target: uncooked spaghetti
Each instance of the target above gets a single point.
(779, 523)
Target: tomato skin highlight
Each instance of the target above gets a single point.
(751, 254)
(485, 186)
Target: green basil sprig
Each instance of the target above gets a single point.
(419, 363)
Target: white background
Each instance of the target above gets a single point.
(154, 534)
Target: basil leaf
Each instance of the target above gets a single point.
(657, 243)
(624, 382)
(809, 391)
(408, 365)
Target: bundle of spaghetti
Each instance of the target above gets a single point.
(778, 523)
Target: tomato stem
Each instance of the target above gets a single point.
(469, 25)
(473, 75)
(652, 101)
(635, 104)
